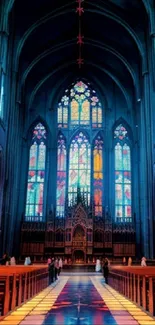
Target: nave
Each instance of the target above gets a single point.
(79, 300)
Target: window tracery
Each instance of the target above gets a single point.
(80, 108)
(36, 175)
(123, 184)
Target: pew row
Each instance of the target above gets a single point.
(136, 283)
(20, 283)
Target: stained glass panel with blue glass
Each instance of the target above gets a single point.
(36, 175)
(123, 200)
(61, 177)
(79, 168)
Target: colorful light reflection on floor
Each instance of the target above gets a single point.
(79, 300)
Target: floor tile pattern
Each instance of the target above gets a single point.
(79, 300)
(34, 311)
(123, 310)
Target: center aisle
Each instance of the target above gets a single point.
(80, 304)
(79, 300)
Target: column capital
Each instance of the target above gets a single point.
(145, 72)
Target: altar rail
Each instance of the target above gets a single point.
(136, 283)
(20, 283)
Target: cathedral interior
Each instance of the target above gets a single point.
(77, 129)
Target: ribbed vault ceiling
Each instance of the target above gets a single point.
(45, 49)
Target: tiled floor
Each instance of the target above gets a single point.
(79, 300)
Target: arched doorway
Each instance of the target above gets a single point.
(79, 256)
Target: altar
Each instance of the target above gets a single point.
(79, 267)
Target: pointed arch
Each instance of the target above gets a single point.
(79, 168)
(28, 132)
(61, 175)
(36, 174)
(98, 174)
(122, 121)
(84, 113)
(122, 163)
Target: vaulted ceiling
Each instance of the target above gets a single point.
(46, 51)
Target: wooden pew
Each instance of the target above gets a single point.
(136, 283)
(20, 283)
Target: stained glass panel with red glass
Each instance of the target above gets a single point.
(61, 177)
(36, 175)
(98, 175)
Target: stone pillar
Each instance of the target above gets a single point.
(153, 58)
(146, 174)
(148, 117)
(136, 183)
(3, 70)
(12, 167)
(152, 97)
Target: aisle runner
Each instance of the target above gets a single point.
(79, 304)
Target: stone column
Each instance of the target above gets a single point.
(146, 174)
(12, 167)
(153, 58)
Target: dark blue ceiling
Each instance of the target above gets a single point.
(45, 34)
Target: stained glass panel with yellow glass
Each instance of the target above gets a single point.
(98, 175)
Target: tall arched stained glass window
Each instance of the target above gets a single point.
(96, 112)
(79, 117)
(79, 168)
(36, 175)
(61, 176)
(62, 114)
(122, 175)
(98, 175)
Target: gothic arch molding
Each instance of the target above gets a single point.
(89, 42)
(121, 120)
(38, 23)
(115, 79)
(54, 14)
(28, 131)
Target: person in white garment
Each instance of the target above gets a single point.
(143, 261)
(98, 265)
(26, 261)
(129, 261)
(60, 265)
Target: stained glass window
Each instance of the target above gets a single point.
(79, 168)
(63, 112)
(36, 175)
(82, 105)
(122, 175)
(79, 108)
(96, 112)
(98, 175)
(61, 176)
(1, 95)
